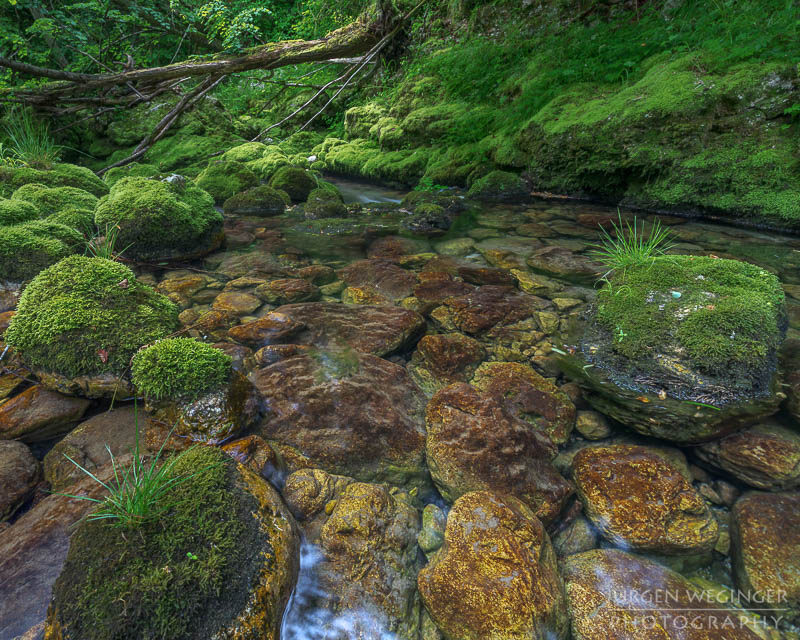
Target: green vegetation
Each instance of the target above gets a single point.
(30, 141)
(50, 200)
(179, 369)
(226, 178)
(629, 246)
(104, 244)
(26, 249)
(61, 175)
(86, 316)
(258, 201)
(726, 315)
(15, 211)
(325, 203)
(172, 572)
(160, 220)
(298, 183)
(500, 186)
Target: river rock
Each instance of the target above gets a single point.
(578, 536)
(765, 551)
(19, 474)
(560, 262)
(495, 575)
(272, 327)
(287, 290)
(638, 500)
(86, 444)
(529, 396)
(476, 443)
(38, 414)
(592, 425)
(211, 419)
(620, 596)
(443, 359)
(236, 302)
(766, 456)
(366, 535)
(348, 413)
(383, 276)
(486, 307)
(369, 329)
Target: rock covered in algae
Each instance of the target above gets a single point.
(639, 501)
(347, 413)
(765, 549)
(222, 565)
(84, 318)
(621, 596)
(366, 535)
(684, 348)
(474, 443)
(495, 575)
(443, 359)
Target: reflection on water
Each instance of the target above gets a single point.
(364, 193)
(311, 613)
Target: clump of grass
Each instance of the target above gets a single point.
(30, 140)
(104, 244)
(140, 492)
(629, 246)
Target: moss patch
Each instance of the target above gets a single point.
(245, 152)
(142, 170)
(50, 200)
(179, 369)
(26, 249)
(16, 211)
(297, 182)
(724, 315)
(258, 201)
(178, 577)
(225, 179)
(159, 220)
(61, 175)
(84, 316)
(325, 203)
(500, 186)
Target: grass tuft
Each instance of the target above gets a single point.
(629, 246)
(30, 140)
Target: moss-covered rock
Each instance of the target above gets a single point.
(179, 368)
(500, 186)
(50, 200)
(221, 563)
(261, 201)
(61, 175)
(324, 203)
(16, 211)
(270, 161)
(297, 182)
(134, 169)
(82, 220)
(160, 220)
(25, 250)
(359, 120)
(85, 316)
(225, 179)
(301, 142)
(684, 348)
(245, 152)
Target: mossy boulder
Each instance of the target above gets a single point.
(192, 392)
(272, 159)
(60, 175)
(500, 186)
(245, 152)
(225, 179)
(159, 220)
(82, 220)
(684, 347)
(16, 211)
(324, 203)
(187, 152)
(298, 183)
(50, 200)
(134, 169)
(86, 317)
(261, 201)
(27, 248)
(221, 562)
(301, 142)
(359, 120)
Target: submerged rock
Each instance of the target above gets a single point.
(19, 474)
(637, 500)
(622, 596)
(261, 202)
(366, 536)
(383, 276)
(38, 414)
(348, 413)
(229, 536)
(765, 551)
(475, 443)
(443, 359)
(500, 186)
(495, 575)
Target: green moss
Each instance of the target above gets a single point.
(349, 158)
(25, 251)
(258, 201)
(301, 142)
(271, 160)
(75, 311)
(50, 200)
(16, 211)
(359, 120)
(400, 167)
(724, 314)
(389, 133)
(187, 152)
(179, 369)
(177, 577)
(298, 183)
(159, 220)
(501, 186)
(325, 203)
(112, 176)
(458, 166)
(245, 152)
(61, 175)
(76, 218)
(224, 179)
(72, 238)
